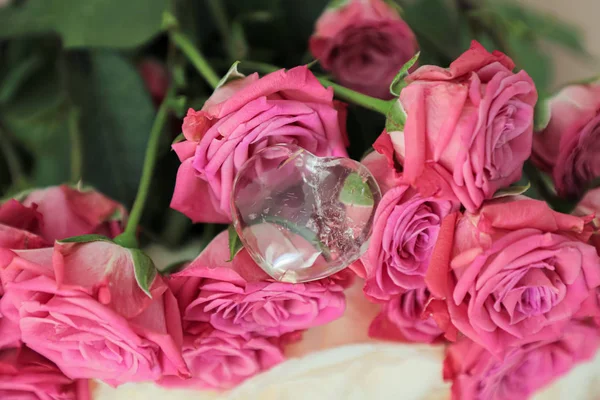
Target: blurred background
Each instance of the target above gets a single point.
(80, 80)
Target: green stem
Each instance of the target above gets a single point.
(12, 159)
(220, 17)
(195, 57)
(128, 238)
(371, 103)
(76, 145)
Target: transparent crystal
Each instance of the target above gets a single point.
(302, 217)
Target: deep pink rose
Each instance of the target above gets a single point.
(473, 119)
(156, 77)
(241, 118)
(221, 360)
(568, 147)
(78, 304)
(238, 297)
(478, 375)
(590, 205)
(71, 212)
(405, 230)
(364, 43)
(402, 319)
(25, 375)
(513, 273)
(20, 227)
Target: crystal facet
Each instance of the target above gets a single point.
(302, 217)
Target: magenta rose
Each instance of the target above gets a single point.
(241, 118)
(402, 319)
(473, 119)
(478, 375)
(568, 147)
(221, 360)
(513, 273)
(156, 78)
(20, 227)
(405, 230)
(78, 304)
(25, 375)
(364, 43)
(238, 297)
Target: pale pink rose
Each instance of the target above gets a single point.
(241, 118)
(364, 43)
(402, 319)
(78, 304)
(71, 212)
(513, 273)
(473, 119)
(405, 230)
(478, 375)
(25, 375)
(568, 147)
(221, 360)
(238, 297)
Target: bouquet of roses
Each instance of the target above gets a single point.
(437, 222)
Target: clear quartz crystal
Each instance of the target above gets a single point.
(302, 217)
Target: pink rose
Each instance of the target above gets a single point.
(79, 305)
(568, 147)
(402, 319)
(25, 375)
(241, 118)
(474, 120)
(478, 375)
(239, 298)
(71, 212)
(156, 77)
(221, 360)
(590, 205)
(513, 273)
(20, 227)
(364, 43)
(405, 230)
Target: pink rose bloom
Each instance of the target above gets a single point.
(402, 319)
(241, 118)
(513, 273)
(20, 227)
(25, 375)
(405, 230)
(156, 77)
(78, 304)
(364, 43)
(473, 119)
(590, 205)
(569, 145)
(70, 212)
(478, 375)
(221, 360)
(239, 298)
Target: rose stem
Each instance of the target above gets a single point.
(195, 57)
(128, 238)
(371, 103)
(76, 145)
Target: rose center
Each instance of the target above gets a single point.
(537, 300)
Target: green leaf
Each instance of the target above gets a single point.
(86, 239)
(178, 138)
(512, 191)
(356, 191)
(398, 83)
(235, 244)
(232, 75)
(116, 119)
(145, 271)
(541, 116)
(89, 23)
(335, 4)
(396, 118)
